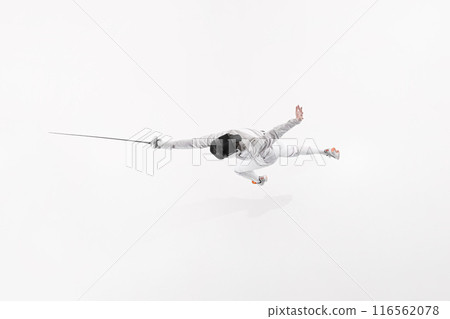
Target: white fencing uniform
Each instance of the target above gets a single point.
(258, 149)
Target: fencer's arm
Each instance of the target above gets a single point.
(180, 144)
(278, 131)
(199, 142)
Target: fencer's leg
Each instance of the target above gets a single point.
(251, 175)
(286, 150)
(334, 153)
(246, 170)
(291, 150)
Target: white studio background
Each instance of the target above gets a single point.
(70, 208)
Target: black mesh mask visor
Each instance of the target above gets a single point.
(225, 145)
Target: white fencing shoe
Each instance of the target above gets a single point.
(334, 153)
(262, 180)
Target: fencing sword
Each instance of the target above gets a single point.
(152, 142)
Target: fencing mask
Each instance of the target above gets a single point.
(225, 145)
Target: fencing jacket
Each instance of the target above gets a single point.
(255, 144)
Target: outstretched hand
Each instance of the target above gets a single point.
(299, 112)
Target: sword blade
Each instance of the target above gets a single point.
(101, 137)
